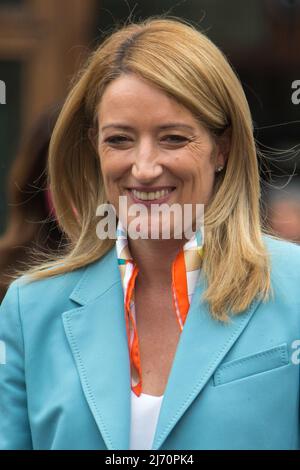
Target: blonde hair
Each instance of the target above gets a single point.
(173, 55)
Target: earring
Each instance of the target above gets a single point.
(220, 168)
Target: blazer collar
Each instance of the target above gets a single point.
(96, 332)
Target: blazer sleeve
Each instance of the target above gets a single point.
(14, 423)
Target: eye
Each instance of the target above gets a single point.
(116, 139)
(122, 139)
(176, 138)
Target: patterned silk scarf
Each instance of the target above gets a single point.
(185, 273)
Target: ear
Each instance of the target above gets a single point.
(92, 135)
(223, 147)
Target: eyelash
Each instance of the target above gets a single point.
(111, 140)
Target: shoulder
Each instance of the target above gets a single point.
(276, 245)
(284, 261)
(44, 290)
(55, 293)
(282, 251)
(28, 300)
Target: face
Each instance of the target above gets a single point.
(152, 149)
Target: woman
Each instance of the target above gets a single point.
(150, 342)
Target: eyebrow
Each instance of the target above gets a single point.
(164, 126)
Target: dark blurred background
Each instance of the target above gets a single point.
(43, 42)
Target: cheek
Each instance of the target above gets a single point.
(196, 165)
(112, 166)
(196, 169)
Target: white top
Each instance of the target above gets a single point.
(144, 416)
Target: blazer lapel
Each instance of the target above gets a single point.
(202, 346)
(96, 333)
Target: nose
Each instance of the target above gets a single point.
(146, 166)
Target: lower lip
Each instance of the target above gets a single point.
(150, 202)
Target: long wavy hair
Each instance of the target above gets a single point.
(173, 55)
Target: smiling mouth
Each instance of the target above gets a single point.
(151, 195)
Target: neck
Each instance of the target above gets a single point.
(154, 259)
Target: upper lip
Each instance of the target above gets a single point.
(150, 190)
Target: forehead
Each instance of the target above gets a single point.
(132, 97)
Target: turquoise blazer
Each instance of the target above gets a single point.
(65, 377)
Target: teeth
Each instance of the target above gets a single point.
(150, 196)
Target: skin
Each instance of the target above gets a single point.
(148, 157)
